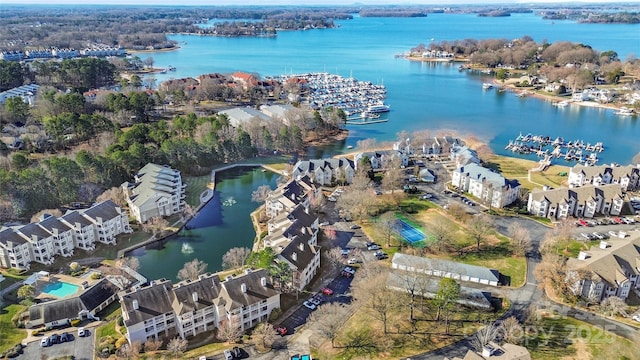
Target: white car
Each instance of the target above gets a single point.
(324, 223)
(354, 261)
(82, 332)
(636, 317)
(350, 270)
(309, 305)
(228, 355)
(44, 342)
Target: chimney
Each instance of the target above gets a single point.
(194, 296)
(243, 287)
(294, 256)
(583, 255)
(135, 305)
(247, 271)
(301, 246)
(604, 244)
(263, 281)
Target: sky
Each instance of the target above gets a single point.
(294, 2)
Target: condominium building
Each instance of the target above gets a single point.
(627, 177)
(486, 185)
(586, 201)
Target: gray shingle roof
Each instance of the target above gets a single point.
(52, 222)
(446, 265)
(10, 238)
(33, 229)
(235, 297)
(74, 217)
(105, 210)
(207, 290)
(153, 300)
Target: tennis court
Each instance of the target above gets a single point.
(408, 232)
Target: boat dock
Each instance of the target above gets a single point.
(549, 148)
(323, 90)
(365, 122)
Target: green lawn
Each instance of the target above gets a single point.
(196, 185)
(108, 329)
(9, 334)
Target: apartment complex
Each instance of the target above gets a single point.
(325, 171)
(52, 236)
(293, 193)
(627, 177)
(188, 308)
(585, 201)
(486, 185)
(157, 190)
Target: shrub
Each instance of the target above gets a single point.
(121, 341)
(120, 321)
(75, 322)
(95, 276)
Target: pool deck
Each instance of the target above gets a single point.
(53, 278)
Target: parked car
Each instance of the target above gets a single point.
(65, 337)
(237, 352)
(228, 355)
(44, 342)
(324, 223)
(427, 196)
(82, 332)
(374, 247)
(354, 227)
(617, 220)
(349, 270)
(382, 256)
(327, 291)
(354, 261)
(281, 330)
(309, 305)
(636, 317)
(345, 252)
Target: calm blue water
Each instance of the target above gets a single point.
(224, 223)
(422, 96)
(425, 96)
(60, 289)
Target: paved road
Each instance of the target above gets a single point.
(81, 348)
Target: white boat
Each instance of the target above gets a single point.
(487, 86)
(625, 111)
(562, 103)
(349, 147)
(378, 108)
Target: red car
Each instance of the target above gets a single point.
(583, 223)
(617, 220)
(327, 291)
(281, 330)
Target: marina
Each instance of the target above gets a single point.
(549, 148)
(358, 99)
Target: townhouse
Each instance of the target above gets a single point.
(41, 241)
(610, 269)
(486, 185)
(157, 190)
(293, 193)
(325, 171)
(165, 310)
(294, 238)
(628, 177)
(586, 201)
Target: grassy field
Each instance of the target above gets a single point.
(9, 334)
(196, 185)
(515, 168)
(557, 337)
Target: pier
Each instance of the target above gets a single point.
(549, 148)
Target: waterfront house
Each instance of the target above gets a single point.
(610, 269)
(244, 79)
(628, 177)
(380, 159)
(293, 193)
(15, 252)
(62, 235)
(40, 241)
(157, 190)
(84, 234)
(188, 308)
(177, 84)
(586, 201)
(463, 155)
(61, 312)
(325, 171)
(109, 221)
(486, 185)
(293, 236)
(445, 268)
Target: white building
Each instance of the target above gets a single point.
(610, 269)
(156, 191)
(586, 201)
(445, 268)
(164, 310)
(15, 252)
(293, 193)
(40, 241)
(325, 171)
(380, 159)
(109, 221)
(84, 233)
(628, 177)
(62, 235)
(486, 185)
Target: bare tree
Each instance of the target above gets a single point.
(614, 305)
(511, 330)
(130, 261)
(330, 232)
(370, 289)
(177, 346)
(188, 212)
(415, 285)
(386, 226)
(152, 345)
(520, 239)
(334, 256)
(457, 211)
(264, 335)
(479, 227)
(157, 226)
(328, 319)
(367, 144)
(192, 269)
(114, 194)
(260, 194)
(445, 299)
(356, 202)
(229, 329)
(485, 335)
(440, 230)
(393, 176)
(235, 257)
(37, 217)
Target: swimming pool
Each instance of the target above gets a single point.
(60, 289)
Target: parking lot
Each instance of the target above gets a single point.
(81, 348)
